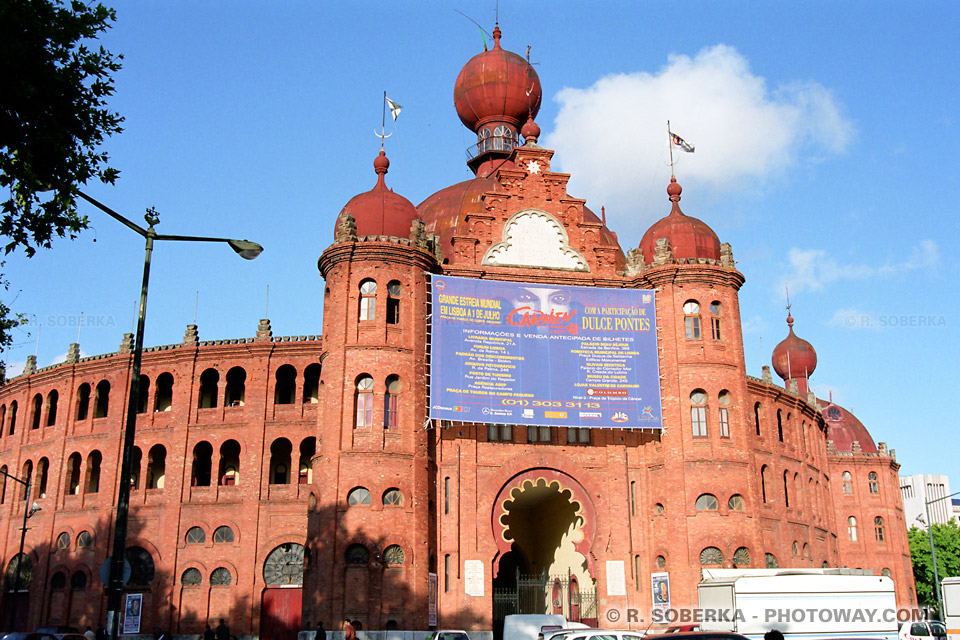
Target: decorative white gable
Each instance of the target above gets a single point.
(534, 238)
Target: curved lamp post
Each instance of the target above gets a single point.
(247, 250)
(28, 512)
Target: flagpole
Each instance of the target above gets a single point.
(384, 114)
(670, 145)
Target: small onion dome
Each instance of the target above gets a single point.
(689, 237)
(496, 86)
(843, 428)
(380, 211)
(530, 130)
(794, 357)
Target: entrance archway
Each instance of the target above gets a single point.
(544, 524)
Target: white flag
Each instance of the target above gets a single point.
(680, 142)
(394, 108)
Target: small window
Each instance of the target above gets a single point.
(741, 557)
(878, 528)
(691, 319)
(196, 535)
(63, 541)
(59, 581)
(191, 578)
(833, 414)
(84, 540)
(368, 300)
(357, 554)
(358, 495)
(887, 573)
(538, 434)
(874, 482)
(735, 503)
(364, 401)
(393, 555)
(852, 528)
(222, 535)
(578, 435)
(391, 403)
(707, 502)
(661, 562)
(78, 580)
(715, 319)
(393, 498)
(724, 399)
(658, 509)
(771, 561)
(796, 548)
(394, 288)
(847, 482)
(711, 556)
(698, 413)
(756, 416)
(500, 432)
(221, 577)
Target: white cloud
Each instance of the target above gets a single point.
(615, 130)
(814, 269)
(854, 319)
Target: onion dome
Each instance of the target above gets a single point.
(495, 92)
(844, 428)
(794, 357)
(688, 236)
(380, 211)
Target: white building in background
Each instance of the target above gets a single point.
(917, 490)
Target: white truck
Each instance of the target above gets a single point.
(950, 591)
(801, 603)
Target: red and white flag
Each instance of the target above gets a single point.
(680, 142)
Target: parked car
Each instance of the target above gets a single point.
(602, 634)
(923, 630)
(682, 628)
(697, 635)
(57, 629)
(449, 635)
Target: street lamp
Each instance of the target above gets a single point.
(28, 511)
(248, 251)
(933, 551)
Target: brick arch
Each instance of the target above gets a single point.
(562, 482)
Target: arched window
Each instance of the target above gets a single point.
(101, 402)
(357, 554)
(84, 540)
(878, 528)
(19, 573)
(156, 467)
(724, 399)
(691, 319)
(63, 541)
(874, 482)
(715, 319)
(195, 535)
(391, 402)
(756, 416)
(698, 413)
(236, 387)
(285, 391)
(658, 509)
(394, 289)
(393, 498)
(3, 483)
(771, 561)
(73, 474)
(26, 474)
(368, 300)
(202, 464)
(852, 528)
(228, 470)
(209, 380)
(393, 555)
(78, 581)
(780, 425)
(358, 495)
(93, 471)
(763, 483)
(847, 482)
(13, 418)
(3, 418)
(59, 581)
(221, 577)
(52, 398)
(661, 562)
(796, 548)
(83, 402)
(164, 395)
(37, 411)
(786, 489)
(223, 535)
(308, 449)
(311, 384)
(135, 469)
(707, 502)
(143, 393)
(741, 557)
(284, 565)
(191, 578)
(142, 567)
(280, 461)
(735, 503)
(711, 556)
(364, 401)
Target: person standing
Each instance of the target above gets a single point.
(321, 632)
(223, 631)
(349, 633)
(208, 633)
(89, 634)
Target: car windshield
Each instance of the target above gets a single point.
(452, 636)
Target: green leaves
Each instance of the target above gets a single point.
(946, 537)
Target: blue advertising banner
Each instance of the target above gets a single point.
(521, 353)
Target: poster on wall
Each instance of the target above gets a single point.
(432, 600)
(660, 583)
(131, 612)
(524, 353)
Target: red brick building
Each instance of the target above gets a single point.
(282, 481)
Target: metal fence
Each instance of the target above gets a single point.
(538, 594)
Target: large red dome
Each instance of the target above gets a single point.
(843, 428)
(688, 236)
(380, 211)
(496, 86)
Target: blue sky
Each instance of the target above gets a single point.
(826, 138)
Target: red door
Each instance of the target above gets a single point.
(574, 600)
(557, 598)
(280, 614)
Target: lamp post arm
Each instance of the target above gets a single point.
(23, 535)
(12, 477)
(933, 550)
(113, 214)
